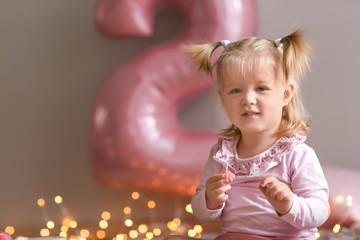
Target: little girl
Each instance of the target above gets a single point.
(261, 180)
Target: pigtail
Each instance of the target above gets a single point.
(296, 55)
(201, 55)
(295, 63)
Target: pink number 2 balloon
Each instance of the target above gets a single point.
(136, 138)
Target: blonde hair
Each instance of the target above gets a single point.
(292, 53)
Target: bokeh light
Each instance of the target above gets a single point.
(127, 210)
(44, 232)
(189, 208)
(349, 201)
(58, 199)
(128, 222)
(336, 228)
(135, 195)
(66, 222)
(64, 228)
(50, 224)
(151, 204)
(198, 229)
(103, 224)
(10, 230)
(106, 215)
(41, 202)
(191, 233)
(121, 236)
(142, 228)
(149, 235)
(73, 224)
(157, 231)
(84, 233)
(133, 234)
(100, 234)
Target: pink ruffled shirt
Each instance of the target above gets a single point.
(247, 210)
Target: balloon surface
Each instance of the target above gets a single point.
(137, 140)
(5, 236)
(344, 197)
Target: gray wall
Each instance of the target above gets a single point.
(52, 62)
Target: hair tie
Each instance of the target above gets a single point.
(278, 43)
(224, 43)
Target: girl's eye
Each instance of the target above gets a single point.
(261, 89)
(235, 91)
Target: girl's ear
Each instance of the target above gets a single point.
(288, 93)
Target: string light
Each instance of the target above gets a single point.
(142, 228)
(64, 229)
(41, 202)
(336, 228)
(58, 199)
(66, 222)
(10, 230)
(149, 235)
(339, 199)
(121, 237)
(50, 224)
(198, 229)
(103, 224)
(106, 215)
(73, 224)
(135, 195)
(133, 234)
(84, 233)
(101, 234)
(157, 231)
(44, 232)
(191, 233)
(172, 226)
(189, 209)
(127, 210)
(177, 221)
(145, 231)
(151, 204)
(128, 222)
(349, 201)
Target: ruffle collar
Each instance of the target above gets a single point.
(226, 155)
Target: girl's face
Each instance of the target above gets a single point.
(254, 101)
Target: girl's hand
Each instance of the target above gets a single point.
(216, 186)
(278, 194)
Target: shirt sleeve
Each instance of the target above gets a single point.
(198, 202)
(310, 191)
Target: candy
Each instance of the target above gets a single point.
(230, 174)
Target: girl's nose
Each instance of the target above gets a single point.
(249, 98)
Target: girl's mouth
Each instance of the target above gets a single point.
(250, 114)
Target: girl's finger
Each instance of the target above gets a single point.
(221, 190)
(221, 199)
(216, 178)
(267, 181)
